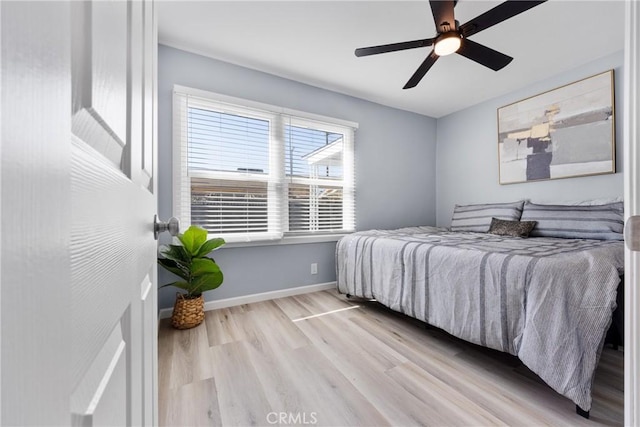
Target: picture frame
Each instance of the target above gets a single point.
(565, 132)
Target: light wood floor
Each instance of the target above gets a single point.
(320, 359)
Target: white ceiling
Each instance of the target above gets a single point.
(313, 42)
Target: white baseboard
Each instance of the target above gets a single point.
(264, 296)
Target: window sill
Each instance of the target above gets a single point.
(289, 240)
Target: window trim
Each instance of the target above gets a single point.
(261, 107)
(181, 178)
(290, 240)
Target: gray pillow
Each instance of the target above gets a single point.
(478, 217)
(511, 228)
(601, 222)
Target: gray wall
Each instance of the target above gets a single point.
(395, 169)
(467, 152)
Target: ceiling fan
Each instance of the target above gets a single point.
(453, 38)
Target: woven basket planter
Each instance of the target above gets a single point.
(187, 312)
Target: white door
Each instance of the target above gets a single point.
(78, 272)
(632, 212)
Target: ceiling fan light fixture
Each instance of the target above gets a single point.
(450, 34)
(448, 43)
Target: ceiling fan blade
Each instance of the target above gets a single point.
(422, 70)
(500, 13)
(484, 55)
(393, 47)
(443, 15)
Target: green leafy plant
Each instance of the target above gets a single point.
(189, 261)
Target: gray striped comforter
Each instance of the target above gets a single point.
(546, 300)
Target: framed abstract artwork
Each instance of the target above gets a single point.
(565, 132)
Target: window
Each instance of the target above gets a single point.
(248, 172)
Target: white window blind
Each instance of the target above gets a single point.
(249, 174)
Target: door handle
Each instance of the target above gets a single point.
(172, 226)
(632, 233)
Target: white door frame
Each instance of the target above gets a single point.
(632, 207)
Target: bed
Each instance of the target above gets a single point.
(546, 300)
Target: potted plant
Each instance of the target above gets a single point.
(197, 272)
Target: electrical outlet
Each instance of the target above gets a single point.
(314, 268)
